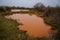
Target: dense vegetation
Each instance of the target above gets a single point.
(9, 30)
(51, 16)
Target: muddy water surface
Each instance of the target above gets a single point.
(33, 24)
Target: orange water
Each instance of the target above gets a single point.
(33, 24)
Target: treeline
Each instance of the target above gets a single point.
(7, 8)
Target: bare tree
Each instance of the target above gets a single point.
(39, 7)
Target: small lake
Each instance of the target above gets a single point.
(33, 24)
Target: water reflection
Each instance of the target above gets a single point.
(33, 24)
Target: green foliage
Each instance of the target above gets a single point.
(10, 31)
(8, 28)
